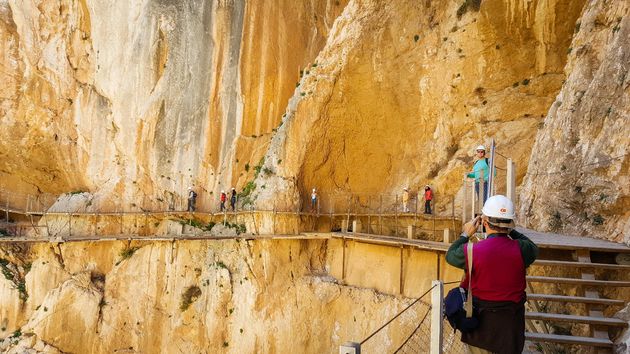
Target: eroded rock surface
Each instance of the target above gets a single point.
(190, 296)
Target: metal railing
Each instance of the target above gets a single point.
(426, 335)
(504, 169)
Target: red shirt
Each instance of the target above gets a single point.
(498, 270)
(223, 197)
(428, 194)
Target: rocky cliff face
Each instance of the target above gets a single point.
(578, 180)
(140, 100)
(404, 91)
(188, 296)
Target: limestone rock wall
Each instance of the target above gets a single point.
(578, 181)
(189, 296)
(136, 101)
(404, 91)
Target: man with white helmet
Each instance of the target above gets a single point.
(480, 165)
(498, 278)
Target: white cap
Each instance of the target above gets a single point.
(189, 188)
(405, 188)
(222, 191)
(501, 209)
(480, 147)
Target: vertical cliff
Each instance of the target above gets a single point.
(403, 92)
(578, 180)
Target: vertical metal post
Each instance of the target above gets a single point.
(69, 224)
(348, 215)
(380, 216)
(437, 294)
(464, 199)
(396, 216)
(511, 181)
(332, 212)
(343, 259)
(369, 226)
(482, 191)
(473, 205)
(401, 283)
(491, 169)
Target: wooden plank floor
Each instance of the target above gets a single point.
(568, 242)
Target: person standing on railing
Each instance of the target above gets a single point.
(428, 197)
(233, 199)
(192, 199)
(223, 198)
(405, 200)
(498, 278)
(480, 165)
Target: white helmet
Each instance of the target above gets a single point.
(480, 147)
(500, 211)
(222, 191)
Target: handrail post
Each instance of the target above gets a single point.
(482, 191)
(437, 296)
(380, 216)
(396, 216)
(464, 199)
(511, 181)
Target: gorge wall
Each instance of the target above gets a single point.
(201, 296)
(134, 102)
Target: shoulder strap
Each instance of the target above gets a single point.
(468, 305)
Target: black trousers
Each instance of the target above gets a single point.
(427, 207)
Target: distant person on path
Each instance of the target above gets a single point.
(223, 199)
(428, 197)
(405, 200)
(314, 200)
(233, 200)
(498, 278)
(192, 199)
(481, 165)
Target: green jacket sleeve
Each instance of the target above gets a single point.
(529, 250)
(455, 254)
(471, 175)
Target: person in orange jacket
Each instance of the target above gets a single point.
(428, 197)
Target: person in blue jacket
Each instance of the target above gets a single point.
(481, 165)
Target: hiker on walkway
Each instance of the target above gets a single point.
(192, 199)
(498, 278)
(223, 199)
(405, 200)
(481, 165)
(233, 200)
(314, 200)
(428, 197)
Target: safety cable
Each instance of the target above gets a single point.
(400, 313)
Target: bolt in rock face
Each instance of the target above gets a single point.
(578, 181)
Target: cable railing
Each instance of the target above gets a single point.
(425, 335)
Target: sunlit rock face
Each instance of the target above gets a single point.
(139, 100)
(136, 101)
(192, 296)
(578, 180)
(404, 91)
